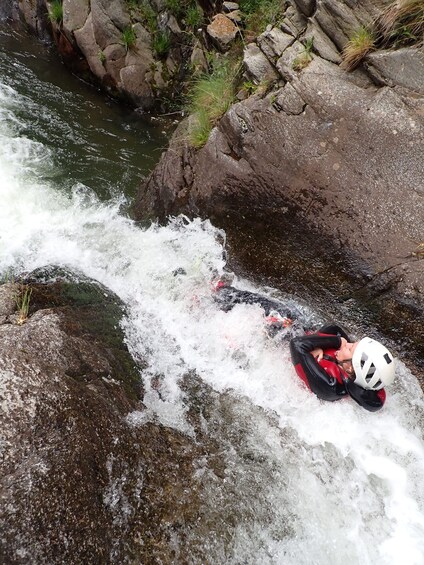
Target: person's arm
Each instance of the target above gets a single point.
(334, 329)
(371, 400)
(307, 367)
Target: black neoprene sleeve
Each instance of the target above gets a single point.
(320, 382)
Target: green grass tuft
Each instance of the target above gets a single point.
(23, 299)
(361, 43)
(161, 43)
(128, 38)
(211, 97)
(258, 14)
(194, 16)
(402, 23)
(56, 11)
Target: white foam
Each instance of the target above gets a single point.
(354, 480)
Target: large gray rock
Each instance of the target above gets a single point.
(404, 67)
(274, 42)
(75, 13)
(8, 9)
(257, 66)
(92, 51)
(110, 19)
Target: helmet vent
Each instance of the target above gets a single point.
(387, 358)
(370, 373)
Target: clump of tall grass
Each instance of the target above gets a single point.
(161, 43)
(56, 11)
(210, 98)
(128, 37)
(258, 14)
(23, 299)
(402, 22)
(361, 42)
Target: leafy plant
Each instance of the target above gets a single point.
(128, 38)
(102, 57)
(305, 56)
(56, 11)
(211, 97)
(361, 43)
(161, 43)
(22, 302)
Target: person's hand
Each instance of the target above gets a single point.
(317, 353)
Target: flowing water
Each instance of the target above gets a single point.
(304, 481)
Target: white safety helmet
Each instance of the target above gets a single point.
(373, 364)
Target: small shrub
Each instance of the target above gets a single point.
(102, 57)
(128, 38)
(22, 302)
(361, 43)
(161, 43)
(56, 11)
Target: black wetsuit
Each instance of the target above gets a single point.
(228, 296)
(326, 379)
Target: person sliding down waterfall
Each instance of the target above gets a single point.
(333, 366)
(328, 361)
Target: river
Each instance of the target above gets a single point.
(306, 482)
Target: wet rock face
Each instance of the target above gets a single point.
(328, 159)
(81, 482)
(77, 483)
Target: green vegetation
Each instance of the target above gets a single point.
(102, 57)
(128, 38)
(176, 7)
(56, 11)
(211, 97)
(402, 22)
(194, 16)
(22, 302)
(161, 43)
(258, 14)
(305, 57)
(250, 87)
(361, 43)
(148, 16)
